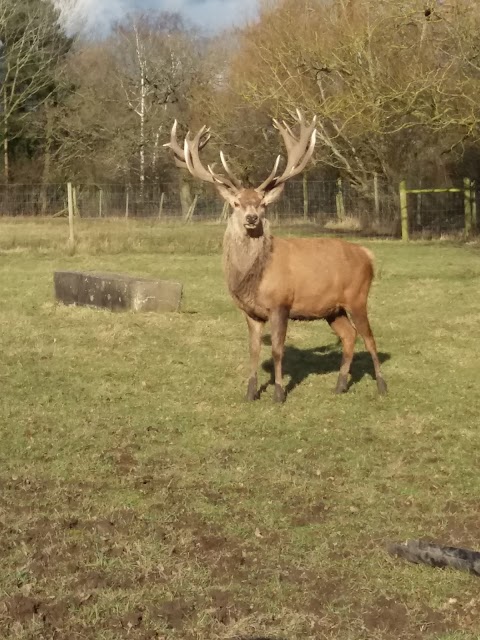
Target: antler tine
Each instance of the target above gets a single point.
(188, 156)
(229, 172)
(296, 115)
(292, 135)
(191, 159)
(308, 154)
(299, 150)
(299, 147)
(287, 134)
(271, 177)
(204, 138)
(220, 179)
(299, 116)
(179, 155)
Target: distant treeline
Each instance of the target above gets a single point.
(394, 85)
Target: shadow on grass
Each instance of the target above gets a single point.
(257, 638)
(298, 364)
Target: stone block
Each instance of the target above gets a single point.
(116, 291)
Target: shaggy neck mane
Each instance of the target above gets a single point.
(244, 259)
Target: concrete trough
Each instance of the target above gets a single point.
(116, 291)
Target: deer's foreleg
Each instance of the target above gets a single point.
(278, 323)
(255, 329)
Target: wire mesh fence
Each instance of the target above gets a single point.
(332, 205)
(437, 213)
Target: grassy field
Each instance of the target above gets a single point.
(142, 498)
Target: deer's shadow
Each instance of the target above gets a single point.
(256, 638)
(298, 364)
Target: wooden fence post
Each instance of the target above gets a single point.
(71, 235)
(474, 206)
(100, 203)
(467, 203)
(160, 206)
(418, 216)
(418, 209)
(76, 211)
(305, 197)
(339, 200)
(376, 197)
(403, 209)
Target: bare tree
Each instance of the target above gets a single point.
(31, 46)
(128, 88)
(156, 67)
(380, 76)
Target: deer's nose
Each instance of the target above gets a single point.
(251, 218)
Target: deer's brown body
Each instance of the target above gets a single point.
(276, 279)
(299, 274)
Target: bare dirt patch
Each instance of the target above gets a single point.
(310, 515)
(392, 618)
(386, 615)
(22, 609)
(174, 612)
(123, 460)
(227, 607)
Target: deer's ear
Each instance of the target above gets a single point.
(273, 195)
(227, 194)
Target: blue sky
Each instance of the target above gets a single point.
(209, 14)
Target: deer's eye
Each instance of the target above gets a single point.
(236, 204)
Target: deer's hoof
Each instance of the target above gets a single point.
(252, 393)
(279, 394)
(342, 384)
(381, 386)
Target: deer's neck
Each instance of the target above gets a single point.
(244, 261)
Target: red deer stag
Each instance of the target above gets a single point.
(275, 279)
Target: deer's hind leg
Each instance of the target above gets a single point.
(340, 323)
(255, 330)
(360, 319)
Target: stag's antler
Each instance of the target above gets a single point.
(299, 151)
(179, 154)
(189, 158)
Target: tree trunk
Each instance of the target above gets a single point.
(47, 159)
(186, 197)
(6, 163)
(142, 110)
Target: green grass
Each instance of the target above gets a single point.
(141, 497)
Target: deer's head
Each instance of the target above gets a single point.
(248, 204)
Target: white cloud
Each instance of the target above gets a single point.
(213, 13)
(95, 15)
(91, 15)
